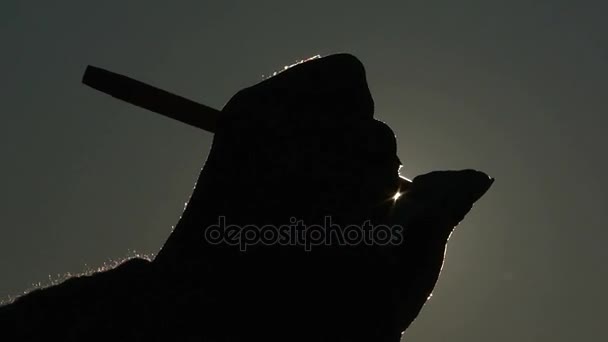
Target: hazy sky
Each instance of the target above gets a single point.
(517, 89)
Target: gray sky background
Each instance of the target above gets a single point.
(514, 88)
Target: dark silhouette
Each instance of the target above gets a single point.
(301, 145)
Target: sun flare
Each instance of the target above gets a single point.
(397, 195)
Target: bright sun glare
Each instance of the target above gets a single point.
(396, 196)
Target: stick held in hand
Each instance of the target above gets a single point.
(152, 98)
